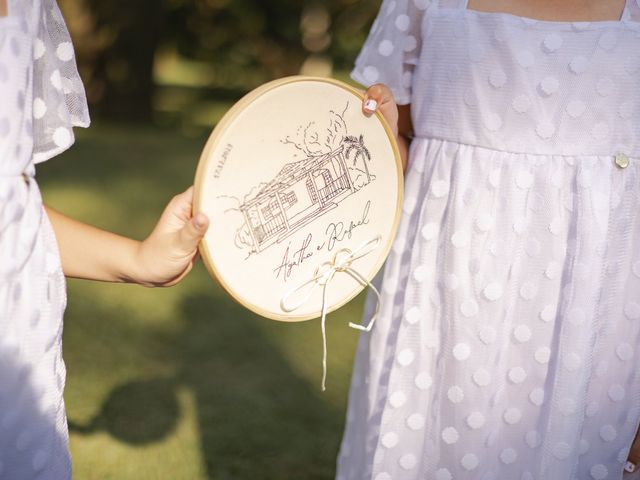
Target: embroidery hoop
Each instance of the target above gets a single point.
(209, 161)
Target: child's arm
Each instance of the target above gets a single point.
(633, 460)
(398, 117)
(163, 259)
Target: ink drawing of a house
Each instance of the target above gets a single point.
(300, 192)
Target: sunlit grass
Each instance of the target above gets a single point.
(183, 383)
(192, 96)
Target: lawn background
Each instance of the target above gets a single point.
(183, 383)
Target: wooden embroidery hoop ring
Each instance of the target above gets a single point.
(204, 167)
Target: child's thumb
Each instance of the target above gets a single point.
(190, 235)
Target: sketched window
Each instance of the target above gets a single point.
(290, 198)
(271, 210)
(312, 191)
(266, 213)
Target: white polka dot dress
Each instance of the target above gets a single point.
(41, 98)
(508, 341)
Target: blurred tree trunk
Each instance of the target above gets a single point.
(242, 42)
(116, 41)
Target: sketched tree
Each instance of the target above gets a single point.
(356, 144)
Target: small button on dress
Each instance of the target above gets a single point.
(523, 331)
(622, 160)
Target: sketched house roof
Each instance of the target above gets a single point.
(290, 174)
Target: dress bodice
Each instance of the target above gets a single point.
(512, 83)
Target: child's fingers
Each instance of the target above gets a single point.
(634, 455)
(379, 98)
(190, 235)
(181, 204)
(376, 96)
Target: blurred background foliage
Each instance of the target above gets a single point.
(184, 383)
(156, 59)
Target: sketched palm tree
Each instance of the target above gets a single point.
(356, 144)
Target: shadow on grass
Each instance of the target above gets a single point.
(137, 413)
(257, 419)
(133, 353)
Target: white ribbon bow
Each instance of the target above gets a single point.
(323, 275)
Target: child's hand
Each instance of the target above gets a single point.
(169, 253)
(380, 98)
(634, 455)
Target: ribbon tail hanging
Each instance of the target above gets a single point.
(322, 278)
(323, 325)
(363, 281)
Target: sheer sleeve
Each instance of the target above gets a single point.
(59, 101)
(391, 51)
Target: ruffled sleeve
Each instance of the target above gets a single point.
(392, 49)
(59, 100)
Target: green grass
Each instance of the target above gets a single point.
(183, 383)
